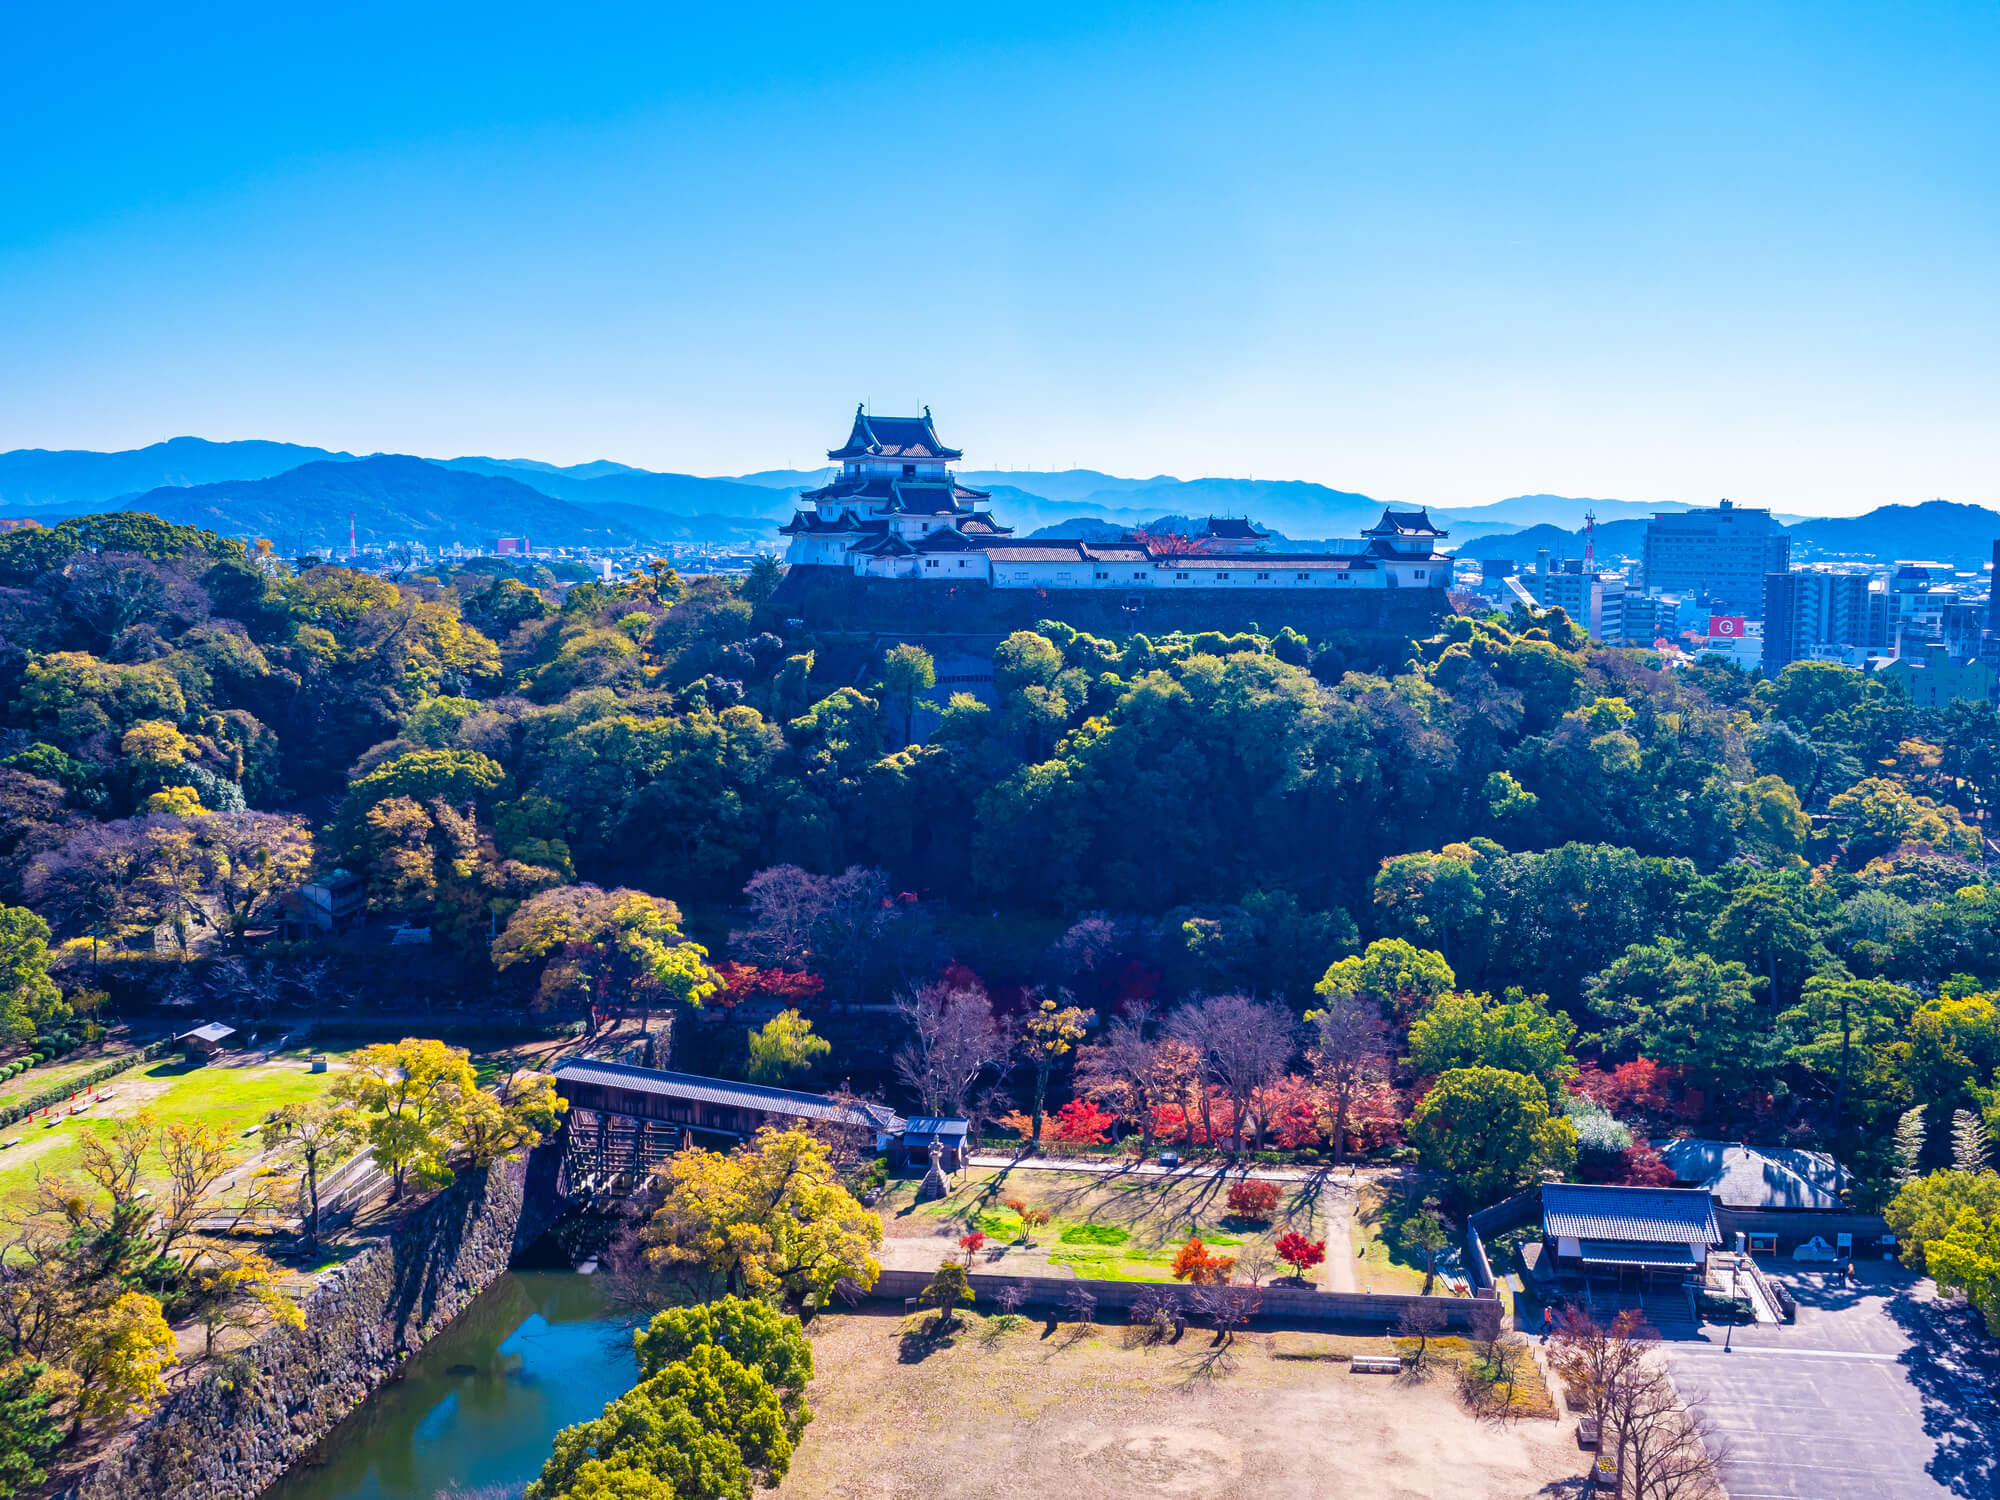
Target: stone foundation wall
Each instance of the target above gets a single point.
(1479, 1317)
(833, 599)
(239, 1426)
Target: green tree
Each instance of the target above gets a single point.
(1967, 1259)
(1924, 1211)
(1771, 823)
(1391, 972)
(1519, 1034)
(1690, 1011)
(907, 674)
(1835, 1016)
(410, 1096)
(950, 1288)
(1489, 1131)
(319, 1136)
(785, 1048)
(704, 1428)
(28, 997)
(28, 1434)
(755, 1334)
(1430, 896)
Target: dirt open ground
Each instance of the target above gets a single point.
(994, 1415)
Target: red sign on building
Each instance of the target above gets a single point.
(1727, 627)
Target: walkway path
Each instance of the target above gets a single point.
(1126, 1167)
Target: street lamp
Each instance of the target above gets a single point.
(1735, 1270)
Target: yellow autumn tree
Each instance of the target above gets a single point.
(770, 1216)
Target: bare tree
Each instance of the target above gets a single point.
(1664, 1451)
(1244, 1045)
(1009, 1298)
(1422, 1320)
(1348, 1053)
(1667, 1450)
(954, 1041)
(846, 927)
(1079, 1305)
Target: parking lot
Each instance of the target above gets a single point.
(1877, 1392)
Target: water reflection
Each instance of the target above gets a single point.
(476, 1411)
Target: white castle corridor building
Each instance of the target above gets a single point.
(897, 511)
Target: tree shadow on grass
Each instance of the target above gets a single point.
(1202, 1368)
(928, 1337)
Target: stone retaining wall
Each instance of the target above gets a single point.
(239, 1426)
(1478, 1316)
(833, 599)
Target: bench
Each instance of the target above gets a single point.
(1377, 1364)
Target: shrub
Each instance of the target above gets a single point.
(1194, 1263)
(1253, 1200)
(1093, 1234)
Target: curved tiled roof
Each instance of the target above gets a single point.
(893, 437)
(1404, 523)
(1588, 1211)
(722, 1091)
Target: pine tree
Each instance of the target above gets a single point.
(1969, 1142)
(1909, 1144)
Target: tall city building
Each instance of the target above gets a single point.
(1721, 554)
(1804, 612)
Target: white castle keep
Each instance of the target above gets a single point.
(897, 511)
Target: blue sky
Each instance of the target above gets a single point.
(1436, 253)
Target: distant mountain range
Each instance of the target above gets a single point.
(300, 495)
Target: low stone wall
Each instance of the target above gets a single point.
(1477, 1316)
(232, 1432)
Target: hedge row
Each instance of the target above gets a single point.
(95, 1076)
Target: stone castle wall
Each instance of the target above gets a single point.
(237, 1428)
(833, 599)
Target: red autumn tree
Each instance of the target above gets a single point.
(1300, 1253)
(1082, 1123)
(1253, 1200)
(1194, 1263)
(972, 1244)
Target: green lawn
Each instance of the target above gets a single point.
(1382, 1264)
(233, 1099)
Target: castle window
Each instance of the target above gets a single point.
(909, 471)
(930, 562)
(1302, 577)
(1138, 575)
(1222, 578)
(1263, 577)
(1180, 578)
(1100, 575)
(1419, 573)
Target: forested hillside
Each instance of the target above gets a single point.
(1761, 905)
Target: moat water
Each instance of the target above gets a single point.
(475, 1412)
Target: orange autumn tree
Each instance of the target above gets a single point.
(1194, 1263)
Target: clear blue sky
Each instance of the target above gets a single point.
(1437, 253)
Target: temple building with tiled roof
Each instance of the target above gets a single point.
(895, 510)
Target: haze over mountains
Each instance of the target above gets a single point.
(301, 497)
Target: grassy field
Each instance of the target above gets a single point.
(1102, 1228)
(231, 1096)
(1381, 1262)
(1008, 1408)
